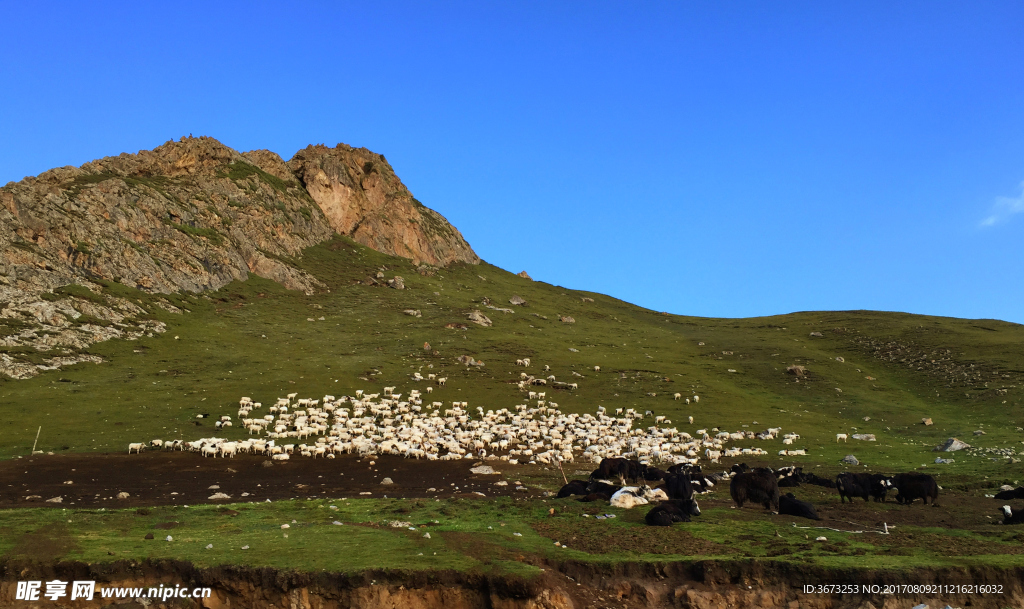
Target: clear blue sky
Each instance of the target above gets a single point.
(710, 158)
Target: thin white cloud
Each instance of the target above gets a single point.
(1003, 208)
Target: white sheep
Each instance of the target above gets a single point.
(138, 447)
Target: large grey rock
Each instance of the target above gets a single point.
(951, 445)
(869, 437)
(517, 300)
(850, 460)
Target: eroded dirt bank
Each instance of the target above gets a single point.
(570, 585)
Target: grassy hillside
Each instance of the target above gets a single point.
(256, 339)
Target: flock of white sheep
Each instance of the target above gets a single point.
(536, 432)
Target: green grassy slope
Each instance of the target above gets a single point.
(255, 339)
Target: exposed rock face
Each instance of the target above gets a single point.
(362, 197)
(190, 215)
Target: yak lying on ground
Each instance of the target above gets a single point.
(914, 485)
(1008, 516)
(590, 490)
(672, 511)
(789, 504)
(1017, 493)
(629, 497)
(756, 486)
(817, 480)
(862, 485)
(574, 487)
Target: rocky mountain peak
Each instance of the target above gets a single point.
(194, 215)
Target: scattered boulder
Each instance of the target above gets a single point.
(479, 318)
(398, 283)
(816, 334)
(926, 421)
(525, 275)
(483, 469)
(455, 326)
(566, 319)
(979, 432)
(940, 460)
(55, 500)
(951, 445)
(123, 495)
(517, 300)
(413, 312)
(387, 481)
(870, 437)
(840, 359)
(426, 347)
(220, 496)
(850, 460)
(796, 370)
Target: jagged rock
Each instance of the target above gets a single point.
(816, 334)
(360, 195)
(850, 460)
(525, 275)
(398, 283)
(951, 445)
(413, 312)
(926, 421)
(796, 370)
(517, 300)
(387, 481)
(479, 318)
(566, 319)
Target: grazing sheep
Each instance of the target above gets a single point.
(138, 447)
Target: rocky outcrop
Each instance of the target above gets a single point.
(190, 215)
(361, 196)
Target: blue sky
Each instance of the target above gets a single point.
(725, 159)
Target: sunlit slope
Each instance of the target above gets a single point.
(257, 339)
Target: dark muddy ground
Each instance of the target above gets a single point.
(169, 478)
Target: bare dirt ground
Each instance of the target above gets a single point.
(173, 478)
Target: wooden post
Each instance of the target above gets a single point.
(37, 440)
(559, 462)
